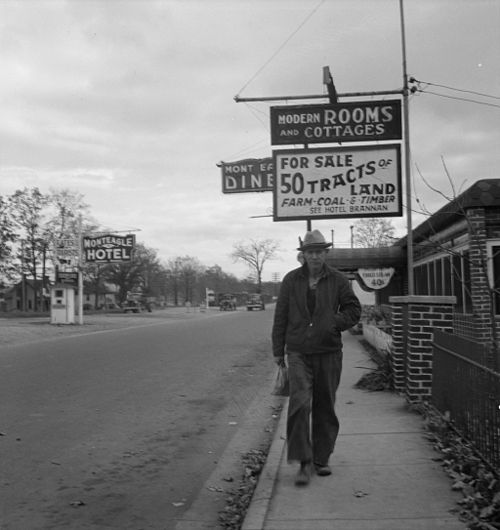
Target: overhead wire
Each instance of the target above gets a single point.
(424, 90)
(456, 89)
(286, 41)
(486, 104)
(254, 110)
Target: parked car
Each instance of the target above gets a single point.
(131, 306)
(255, 301)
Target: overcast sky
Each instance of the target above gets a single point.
(131, 103)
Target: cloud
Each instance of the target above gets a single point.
(131, 103)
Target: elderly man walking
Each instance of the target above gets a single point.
(315, 304)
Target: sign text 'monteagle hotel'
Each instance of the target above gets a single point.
(108, 248)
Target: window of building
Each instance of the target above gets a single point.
(447, 276)
(494, 272)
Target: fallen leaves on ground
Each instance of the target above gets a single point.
(232, 517)
(470, 475)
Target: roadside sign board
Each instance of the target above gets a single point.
(359, 121)
(249, 175)
(69, 278)
(66, 248)
(108, 248)
(337, 182)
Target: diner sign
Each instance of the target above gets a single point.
(337, 182)
(249, 175)
(359, 121)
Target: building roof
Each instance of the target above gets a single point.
(349, 259)
(481, 194)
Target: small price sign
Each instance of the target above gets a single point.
(376, 278)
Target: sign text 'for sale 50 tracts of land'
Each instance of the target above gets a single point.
(342, 182)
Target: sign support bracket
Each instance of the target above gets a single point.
(237, 99)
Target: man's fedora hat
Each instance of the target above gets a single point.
(313, 240)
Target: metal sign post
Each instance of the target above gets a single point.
(80, 273)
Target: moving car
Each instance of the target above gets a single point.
(255, 301)
(227, 303)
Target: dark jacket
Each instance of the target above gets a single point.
(337, 309)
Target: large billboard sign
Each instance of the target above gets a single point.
(108, 248)
(337, 182)
(249, 175)
(361, 121)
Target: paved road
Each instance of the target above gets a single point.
(121, 428)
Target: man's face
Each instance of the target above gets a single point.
(315, 259)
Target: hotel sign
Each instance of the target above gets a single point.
(108, 248)
(360, 121)
(337, 182)
(247, 175)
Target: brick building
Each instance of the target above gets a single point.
(456, 265)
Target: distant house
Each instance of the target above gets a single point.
(25, 296)
(106, 298)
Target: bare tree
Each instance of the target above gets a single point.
(373, 232)
(481, 257)
(255, 254)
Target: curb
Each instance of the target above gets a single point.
(229, 463)
(261, 499)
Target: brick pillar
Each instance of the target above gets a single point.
(481, 296)
(412, 341)
(398, 349)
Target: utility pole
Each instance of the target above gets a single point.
(333, 97)
(406, 124)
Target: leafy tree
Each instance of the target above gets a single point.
(66, 209)
(94, 277)
(373, 232)
(152, 271)
(129, 276)
(28, 214)
(255, 254)
(184, 273)
(8, 237)
(67, 206)
(217, 280)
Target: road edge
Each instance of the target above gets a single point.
(214, 488)
(261, 499)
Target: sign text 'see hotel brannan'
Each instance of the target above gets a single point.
(337, 182)
(108, 248)
(249, 175)
(361, 121)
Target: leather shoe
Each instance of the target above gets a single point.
(303, 476)
(323, 470)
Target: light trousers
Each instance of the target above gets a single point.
(312, 425)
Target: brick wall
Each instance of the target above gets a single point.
(414, 320)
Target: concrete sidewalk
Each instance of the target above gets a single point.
(384, 476)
